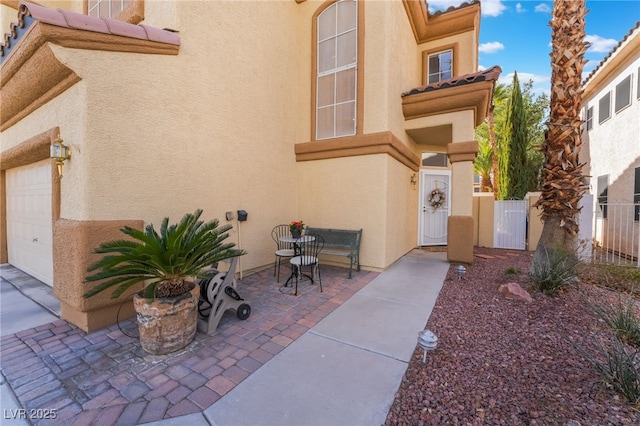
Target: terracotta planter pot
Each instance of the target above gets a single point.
(167, 324)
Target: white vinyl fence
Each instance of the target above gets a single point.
(615, 236)
(510, 224)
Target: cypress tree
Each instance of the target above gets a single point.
(513, 149)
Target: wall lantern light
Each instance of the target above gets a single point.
(414, 179)
(60, 152)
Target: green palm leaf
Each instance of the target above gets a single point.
(163, 260)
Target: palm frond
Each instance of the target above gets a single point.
(179, 251)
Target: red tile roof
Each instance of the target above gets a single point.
(490, 74)
(453, 8)
(29, 13)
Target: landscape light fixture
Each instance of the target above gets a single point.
(461, 270)
(428, 342)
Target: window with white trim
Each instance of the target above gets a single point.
(623, 94)
(440, 66)
(106, 8)
(337, 61)
(131, 11)
(589, 118)
(604, 107)
(603, 197)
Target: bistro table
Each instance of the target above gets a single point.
(298, 249)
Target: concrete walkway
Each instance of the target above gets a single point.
(344, 370)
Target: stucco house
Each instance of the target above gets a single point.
(345, 114)
(611, 150)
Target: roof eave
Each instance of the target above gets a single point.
(474, 96)
(428, 27)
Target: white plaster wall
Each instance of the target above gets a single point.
(614, 145)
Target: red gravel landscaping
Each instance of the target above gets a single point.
(507, 362)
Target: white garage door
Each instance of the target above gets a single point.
(29, 226)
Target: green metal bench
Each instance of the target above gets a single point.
(340, 242)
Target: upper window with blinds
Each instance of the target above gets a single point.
(623, 94)
(440, 66)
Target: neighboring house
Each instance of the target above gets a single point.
(611, 144)
(287, 109)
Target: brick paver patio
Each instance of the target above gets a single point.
(105, 377)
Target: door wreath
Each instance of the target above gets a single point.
(436, 198)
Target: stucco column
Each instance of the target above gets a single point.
(460, 222)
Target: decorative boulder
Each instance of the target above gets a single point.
(514, 291)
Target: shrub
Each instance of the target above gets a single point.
(559, 269)
(512, 271)
(618, 370)
(622, 320)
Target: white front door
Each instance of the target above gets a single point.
(434, 205)
(29, 220)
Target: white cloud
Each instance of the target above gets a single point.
(543, 7)
(599, 44)
(520, 8)
(541, 83)
(492, 7)
(523, 77)
(491, 47)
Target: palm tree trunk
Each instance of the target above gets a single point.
(563, 184)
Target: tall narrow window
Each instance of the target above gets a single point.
(589, 118)
(604, 108)
(337, 60)
(440, 66)
(636, 194)
(623, 94)
(603, 198)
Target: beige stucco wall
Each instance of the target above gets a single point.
(535, 221)
(483, 219)
(393, 65)
(230, 115)
(229, 138)
(466, 43)
(230, 126)
(372, 192)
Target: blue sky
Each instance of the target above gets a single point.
(515, 34)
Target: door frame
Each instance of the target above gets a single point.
(421, 189)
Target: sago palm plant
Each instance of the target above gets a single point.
(165, 260)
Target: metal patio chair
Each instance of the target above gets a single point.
(283, 249)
